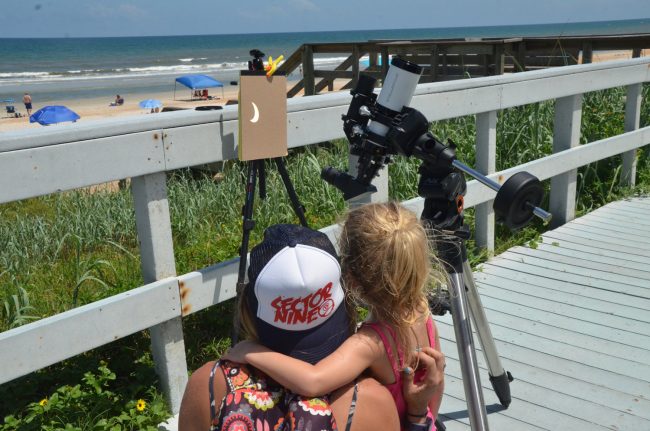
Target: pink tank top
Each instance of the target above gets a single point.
(395, 389)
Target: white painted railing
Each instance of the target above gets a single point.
(48, 160)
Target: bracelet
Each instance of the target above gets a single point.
(420, 427)
(417, 416)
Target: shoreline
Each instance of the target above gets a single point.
(98, 107)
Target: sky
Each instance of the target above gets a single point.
(91, 18)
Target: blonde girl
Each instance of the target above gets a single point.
(387, 267)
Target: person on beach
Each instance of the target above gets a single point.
(119, 101)
(294, 270)
(27, 100)
(387, 267)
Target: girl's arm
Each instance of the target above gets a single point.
(342, 366)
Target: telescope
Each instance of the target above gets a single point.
(380, 126)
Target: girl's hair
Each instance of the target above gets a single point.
(388, 266)
(245, 323)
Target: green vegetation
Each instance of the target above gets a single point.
(73, 248)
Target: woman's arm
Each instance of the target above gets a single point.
(342, 366)
(195, 407)
(428, 391)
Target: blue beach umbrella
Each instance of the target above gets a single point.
(150, 104)
(53, 114)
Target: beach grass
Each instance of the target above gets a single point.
(64, 250)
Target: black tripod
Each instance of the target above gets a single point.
(257, 173)
(443, 188)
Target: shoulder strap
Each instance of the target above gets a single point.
(213, 408)
(377, 327)
(431, 333)
(353, 407)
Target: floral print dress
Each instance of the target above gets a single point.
(254, 402)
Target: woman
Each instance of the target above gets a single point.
(294, 304)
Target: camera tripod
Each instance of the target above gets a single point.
(256, 173)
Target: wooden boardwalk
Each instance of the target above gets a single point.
(571, 321)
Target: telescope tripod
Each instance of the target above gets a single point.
(256, 172)
(443, 213)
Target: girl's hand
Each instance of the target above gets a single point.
(417, 395)
(239, 352)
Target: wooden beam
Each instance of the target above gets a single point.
(308, 70)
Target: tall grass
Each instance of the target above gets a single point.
(67, 249)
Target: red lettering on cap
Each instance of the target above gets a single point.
(306, 309)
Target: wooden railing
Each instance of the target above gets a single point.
(446, 59)
(39, 162)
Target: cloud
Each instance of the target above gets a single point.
(124, 11)
(304, 5)
(131, 11)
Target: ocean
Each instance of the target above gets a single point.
(71, 68)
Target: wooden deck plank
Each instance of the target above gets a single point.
(577, 239)
(511, 353)
(504, 272)
(596, 237)
(570, 320)
(556, 383)
(581, 301)
(574, 278)
(607, 236)
(576, 312)
(607, 226)
(613, 216)
(580, 267)
(573, 413)
(538, 329)
(625, 215)
(567, 322)
(640, 276)
(574, 250)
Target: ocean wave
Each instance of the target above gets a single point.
(23, 74)
(187, 60)
(143, 71)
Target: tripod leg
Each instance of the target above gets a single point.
(467, 354)
(247, 226)
(293, 197)
(499, 377)
(261, 173)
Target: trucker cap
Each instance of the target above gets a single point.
(295, 294)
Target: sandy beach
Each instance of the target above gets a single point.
(96, 108)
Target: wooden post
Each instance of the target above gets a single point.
(587, 53)
(499, 59)
(521, 57)
(372, 59)
(632, 122)
(308, 70)
(486, 149)
(157, 256)
(434, 63)
(566, 134)
(445, 69)
(385, 62)
(355, 65)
